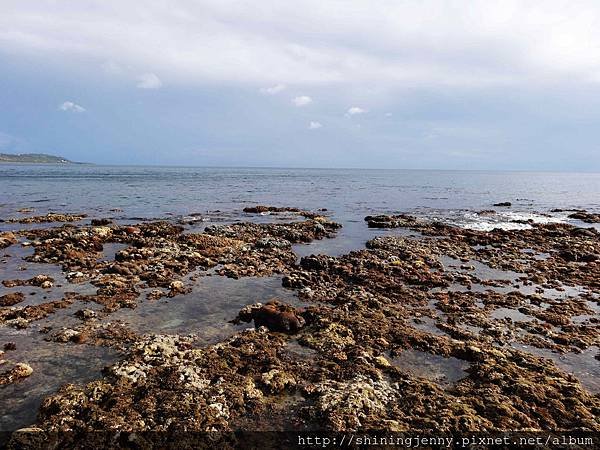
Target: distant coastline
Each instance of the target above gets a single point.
(34, 158)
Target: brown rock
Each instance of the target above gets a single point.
(11, 299)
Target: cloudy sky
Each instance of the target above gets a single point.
(308, 83)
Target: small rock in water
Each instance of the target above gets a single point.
(85, 314)
(585, 216)
(11, 299)
(274, 315)
(7, 239)
(177, 287)
(20, 370)
(100, 222)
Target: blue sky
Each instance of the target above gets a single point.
(376, 84)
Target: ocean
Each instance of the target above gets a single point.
(348, 194)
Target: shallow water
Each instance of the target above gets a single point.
(14, 267)
(207, 311)
(510, 313)
(442, 370)
(583, 365)
(53, 366)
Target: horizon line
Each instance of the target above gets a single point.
(78, 163)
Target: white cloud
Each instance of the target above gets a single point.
(355, 110)
(314, 125)
(273, 90)
(149, 81)
(302, 100)
(71, 106)
(468, 43)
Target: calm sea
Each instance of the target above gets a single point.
(349, 195)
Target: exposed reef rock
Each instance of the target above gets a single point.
(7, 239)
(18, 372)
(585, 216)
(274, 315)
(443, 329)
(50, 217)
(11, 299)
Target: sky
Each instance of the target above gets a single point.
(457, 84)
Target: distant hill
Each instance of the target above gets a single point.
(40, 158)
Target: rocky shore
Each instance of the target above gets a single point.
(429, 327)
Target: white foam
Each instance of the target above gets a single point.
(506, 220)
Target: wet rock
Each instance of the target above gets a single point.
(67, 335)
(10, 346)
(177, 287)
(569, 255)
(85, 314)
(166, 384)
(155, 294)
(399, 293)
(585, 216)
(29, 437)
(263, 209)
(11, 299)
(50, 217)
(503, 204)
(274, 315)
(273, 243)
(101, 222)
(387, 221)
(7, 239)
(43, 281)
(332, 339)
(18, 372)
(20, 317)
